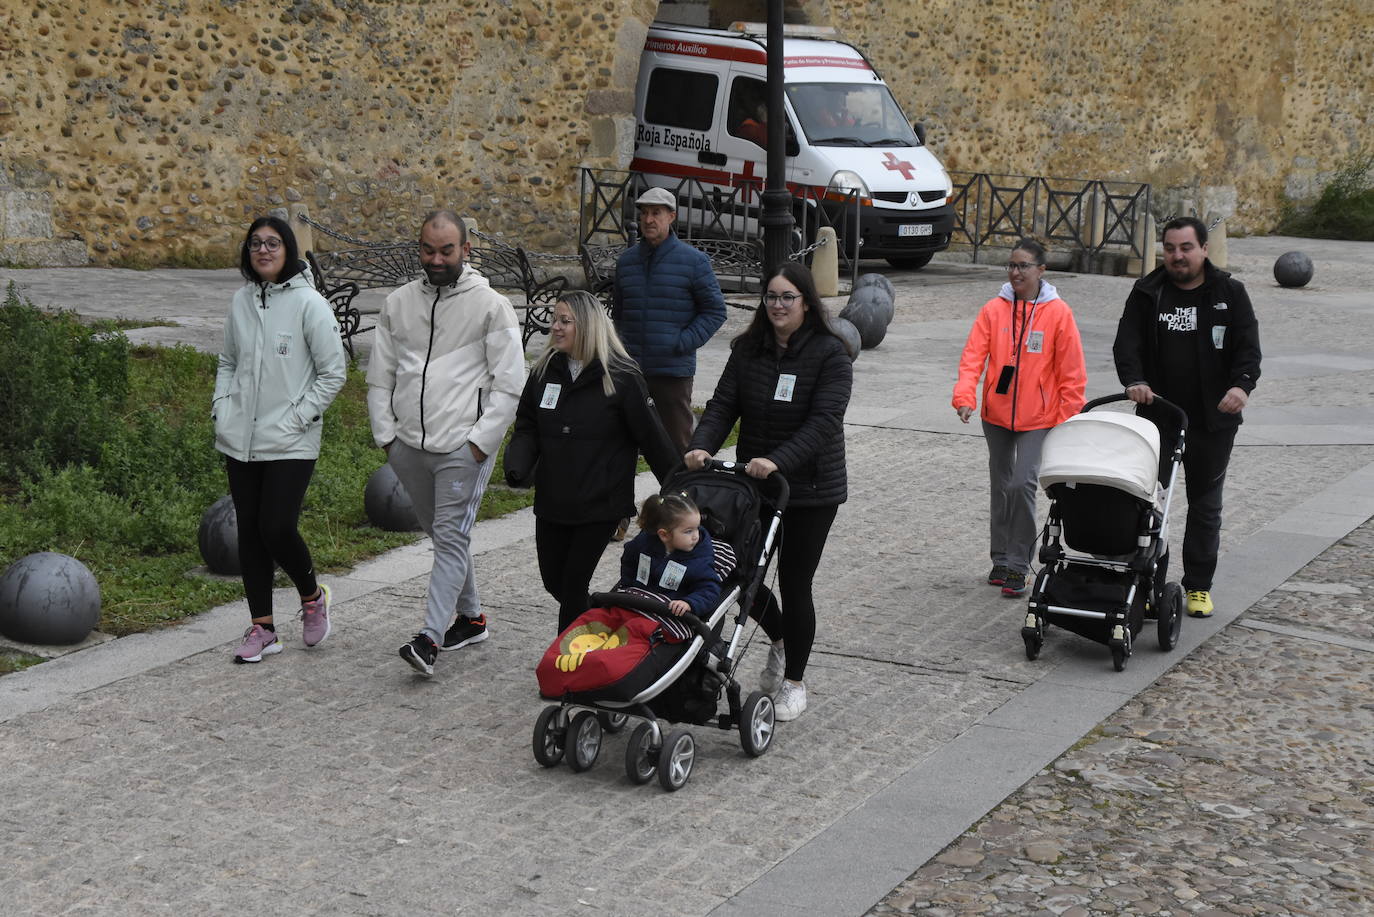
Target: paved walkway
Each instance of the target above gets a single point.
(148, 774)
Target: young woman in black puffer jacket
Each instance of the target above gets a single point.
(787, 382)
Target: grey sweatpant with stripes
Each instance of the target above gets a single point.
(446, 490)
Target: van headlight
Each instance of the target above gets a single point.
(847, 180)
(949, 187)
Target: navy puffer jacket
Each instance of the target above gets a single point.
(667, 304)
(803, 436)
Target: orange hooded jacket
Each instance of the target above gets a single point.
(1048, 383)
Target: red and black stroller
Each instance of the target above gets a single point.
(1109, 502)
(628, 658)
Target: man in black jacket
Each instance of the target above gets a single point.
(1189, 334)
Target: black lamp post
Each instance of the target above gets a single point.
(776, 218)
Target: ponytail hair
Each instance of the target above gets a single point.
(664, 511)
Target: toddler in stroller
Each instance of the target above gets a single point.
(1109, 502)
(632, 657)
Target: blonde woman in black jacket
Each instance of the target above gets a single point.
(787, 382)
(584, 418)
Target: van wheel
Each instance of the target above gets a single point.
(911, 263)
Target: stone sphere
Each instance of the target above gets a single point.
(49, 599)
(874, 296)
(387, 504)
(1293, 269)
(849, 334)
(876, 280)
(870, 311)
(218, 538)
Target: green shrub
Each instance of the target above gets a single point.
(63, 387)
(1345, 208)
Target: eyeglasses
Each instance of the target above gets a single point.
(787, 299)
(270, 243)
(1021, 267)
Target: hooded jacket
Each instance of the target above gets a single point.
(1040, 341)
(667, 305)
(1227, 342)
(580, 445)
(447, 366)
(281, 365)
(698, 583)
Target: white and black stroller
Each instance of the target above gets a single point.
(627, 658)
(1109, 505)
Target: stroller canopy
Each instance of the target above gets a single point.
(1103, 447)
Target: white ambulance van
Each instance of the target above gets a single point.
(701, 109)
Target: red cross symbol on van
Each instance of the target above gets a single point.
(894, 164)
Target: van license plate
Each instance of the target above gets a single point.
(915, 229)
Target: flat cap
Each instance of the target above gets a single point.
(660, 197)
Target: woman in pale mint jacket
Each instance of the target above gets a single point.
(281, 366)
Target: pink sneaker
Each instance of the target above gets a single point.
(315, 619)
(258, 641)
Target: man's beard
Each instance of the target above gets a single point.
(445, 277)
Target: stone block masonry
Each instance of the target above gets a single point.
(159, 130)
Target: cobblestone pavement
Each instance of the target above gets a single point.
(334, 781)
(1239, 784)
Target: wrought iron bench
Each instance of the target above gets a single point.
(341, 275)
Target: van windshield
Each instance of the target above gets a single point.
(850, 114)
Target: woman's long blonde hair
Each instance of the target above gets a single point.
(596, 340)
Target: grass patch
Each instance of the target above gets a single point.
(125, 495)
(14, 662)
(1345, 208)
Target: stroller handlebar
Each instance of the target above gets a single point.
(1178, 414)
(775, 480)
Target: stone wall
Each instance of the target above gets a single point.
(154, 131)
(1228, 107)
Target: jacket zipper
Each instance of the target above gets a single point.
(424, 374)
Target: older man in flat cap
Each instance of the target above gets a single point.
(667, 305)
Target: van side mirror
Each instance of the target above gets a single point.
(792, 148)
(920, 128)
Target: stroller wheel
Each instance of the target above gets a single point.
(612, 722)
(641, 755)
(1170, 616)
(584, 741)
(675, 760)
(548, 737)
(756, 724)
(1121, 646)
(1033, 633)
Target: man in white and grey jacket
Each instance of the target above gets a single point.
(444, 379)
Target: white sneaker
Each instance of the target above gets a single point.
(790, 701)
(771, 678)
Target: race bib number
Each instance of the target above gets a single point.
(786, 383)
(284, 344)
(672, 575)
(1035, 342)
(550, 399)
(1218, 336)
(642, 574)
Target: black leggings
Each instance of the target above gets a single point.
(267, 498)
(568, 555)
(804, 530)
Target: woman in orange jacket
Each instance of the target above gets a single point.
(1025, 345)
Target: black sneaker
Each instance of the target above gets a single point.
(420, 652)
(465, 631)
(1014, 585)
(998, 575)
